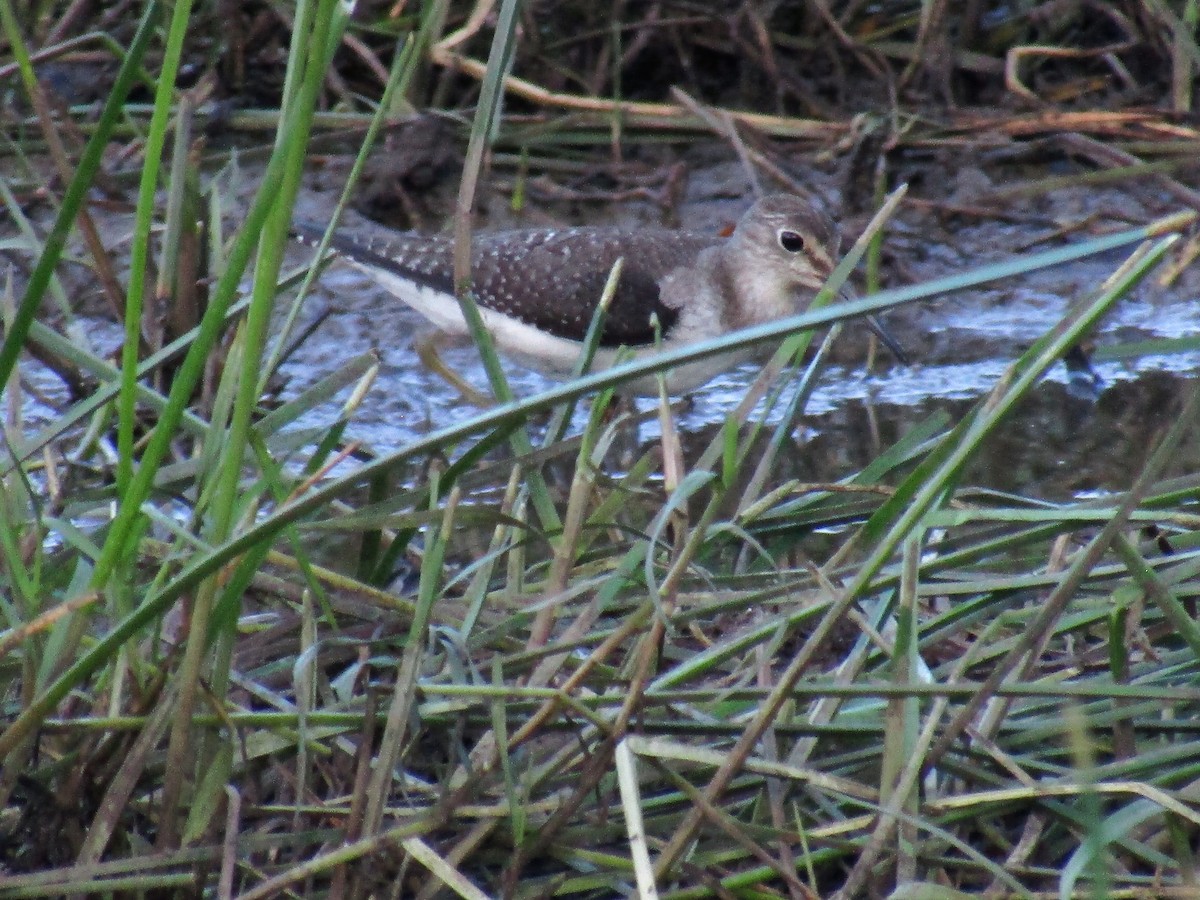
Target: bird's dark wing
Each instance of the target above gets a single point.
(554, 279)
(551, 279)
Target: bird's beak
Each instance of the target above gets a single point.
(845, 295)
(887, 340)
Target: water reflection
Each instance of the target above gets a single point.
(1053, 446)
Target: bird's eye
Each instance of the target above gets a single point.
(791, 241)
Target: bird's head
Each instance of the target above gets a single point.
(790, 238)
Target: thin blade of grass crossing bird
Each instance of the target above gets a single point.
(537, 289)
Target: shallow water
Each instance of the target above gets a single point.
(1055, 446)
(960, 346)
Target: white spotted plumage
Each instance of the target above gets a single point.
(537, 289)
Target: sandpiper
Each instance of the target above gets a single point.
(537, 289)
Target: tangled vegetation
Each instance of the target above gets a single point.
(684, 672)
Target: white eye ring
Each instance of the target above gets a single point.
(791, 241)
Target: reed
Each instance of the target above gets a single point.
(687, 671)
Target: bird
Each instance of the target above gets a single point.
(537, 289)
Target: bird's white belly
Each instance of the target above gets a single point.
(539, 350)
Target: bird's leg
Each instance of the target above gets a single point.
(427, 346)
